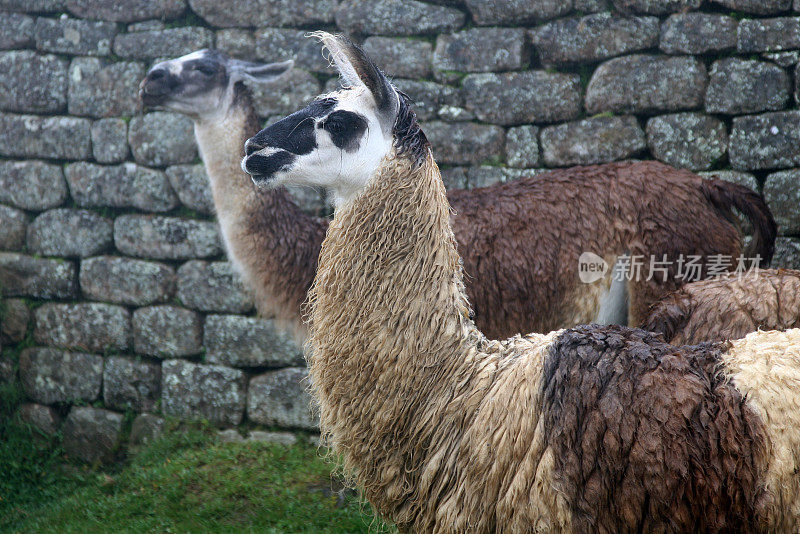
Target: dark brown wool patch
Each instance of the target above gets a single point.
(409, 139)
(647, 437)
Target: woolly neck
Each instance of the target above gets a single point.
(269, 239)
(390, 329)
(389, 264)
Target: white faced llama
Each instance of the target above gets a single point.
(269, 239)
(728, 308)
(595, 429)
(520, 241)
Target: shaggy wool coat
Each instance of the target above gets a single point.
(595, 429)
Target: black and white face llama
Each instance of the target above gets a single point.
(202, 83)
(338, 141)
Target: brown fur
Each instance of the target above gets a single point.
(520, 241)
(728, 308)
(648, 437)
(599, 429)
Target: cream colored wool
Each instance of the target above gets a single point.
(765, 366)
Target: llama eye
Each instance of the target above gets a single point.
(206, 70)
(345, 129)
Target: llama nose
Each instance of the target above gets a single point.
(157, 74)
(251, 146)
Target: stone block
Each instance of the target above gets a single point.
(213, 287)
(482, 50)
(91, 327)
(517, 12)
(249, 342)
(738, 86)
(145, 429)
(592, 38)
(16, 318)
(656, 7)
(101, 88)
(31, 136)
(465, 143)
(757, 7)
(687, 140)
(595, 140)
(122, 186)
(522, 146)
(212, 392)
(698, 33)
(408, 58)
(167, 331)
(169, 238)
(50, 375)
(396, 17)
(14, 223)
(74, 36)
(129, 384)
(32, 185)
(782, 193)
(110, 140)
(126, 281)
(43, 418)
(159, 139)
(170, 42)
(16, 31)
(768, 35)
(191, 184)
(279, 398)
(523, 97)
(70, 232)
(31, 82)
(92, 434)
(26, 276)
(308, 13)
(766, 141)
(646, 83)
(428, 97)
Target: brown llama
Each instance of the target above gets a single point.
(728, 308)
(594, 429)
(268, 238)
(520, 241)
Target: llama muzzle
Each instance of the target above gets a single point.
(264, 164)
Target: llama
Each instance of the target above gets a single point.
(271, 242)
(653, 209)
(594, 429)
(728, 308)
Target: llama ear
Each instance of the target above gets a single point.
(249, 71)
(358, 69)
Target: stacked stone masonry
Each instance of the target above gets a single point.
(119, 288)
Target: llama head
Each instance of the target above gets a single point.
(203, 84)
(339, 140)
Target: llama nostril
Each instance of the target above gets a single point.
(250, 147)
(157, 74)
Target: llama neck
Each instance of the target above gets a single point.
(269, 240)
(389, 317)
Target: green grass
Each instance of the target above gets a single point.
(184, 482)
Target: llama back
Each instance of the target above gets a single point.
(648, 437)
(541, 225)
(728, 308)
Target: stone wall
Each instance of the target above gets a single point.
(121, 300)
